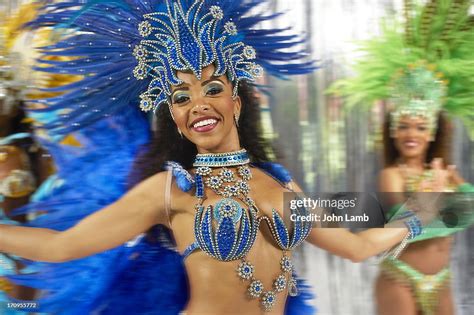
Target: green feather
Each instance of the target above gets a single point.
(441, 33)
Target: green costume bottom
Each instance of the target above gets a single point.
(425, 288)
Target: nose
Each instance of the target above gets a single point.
(200, 108)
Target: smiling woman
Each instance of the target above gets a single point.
(416, 160)
(212, 188)
(423, 74)
(205, 111)
(416, 138)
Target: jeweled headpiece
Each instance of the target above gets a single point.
(417, 91)
(129, 51)
(404, 63)
(191, 40)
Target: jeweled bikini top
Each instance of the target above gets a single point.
(227, 231)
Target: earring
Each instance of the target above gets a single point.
(180, 132)
(236, 120)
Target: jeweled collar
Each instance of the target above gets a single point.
(235, 158)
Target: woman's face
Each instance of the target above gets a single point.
(204, 111)
(412, 137)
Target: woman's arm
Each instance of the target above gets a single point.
(358, 246)
(110, 227)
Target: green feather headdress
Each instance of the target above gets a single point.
(421, 65)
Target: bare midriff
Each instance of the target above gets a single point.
(429, 256)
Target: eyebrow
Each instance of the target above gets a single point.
(213, 78)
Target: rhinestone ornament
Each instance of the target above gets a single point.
(140, 73)
(250, 53)
(245, 270)
(139, 52)
(292, 287)
(286, 264)
(230, 28)
(146, 104)
(204, 171)
(145, 28)
(268, 300)
(244, 172)
(214, 182)
(243, 187)
(227, 175)
(280, 283)
(255, 289)
(216, 12)
(231, 191)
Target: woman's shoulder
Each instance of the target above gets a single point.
(391, 179)
(390, 171)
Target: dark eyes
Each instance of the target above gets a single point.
(180, 98)
(213, 89)
(419, 128)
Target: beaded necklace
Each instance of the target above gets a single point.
(214, 171)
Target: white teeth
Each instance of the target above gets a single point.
(203, 123)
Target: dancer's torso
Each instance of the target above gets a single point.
(215, 286)
(429, 256)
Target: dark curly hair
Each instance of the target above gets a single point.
(168, 145)
(439, 148)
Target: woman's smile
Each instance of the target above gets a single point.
(204, 124)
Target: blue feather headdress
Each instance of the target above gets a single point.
(129, 51)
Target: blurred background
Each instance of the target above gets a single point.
(328, 149)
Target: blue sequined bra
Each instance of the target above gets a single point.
(228, 231)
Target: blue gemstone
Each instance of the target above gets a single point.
(226, 237)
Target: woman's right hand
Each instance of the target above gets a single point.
(439, 180)
(428, 199)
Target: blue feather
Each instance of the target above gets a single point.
(95, 175)
(276, 170)
(109, 33)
